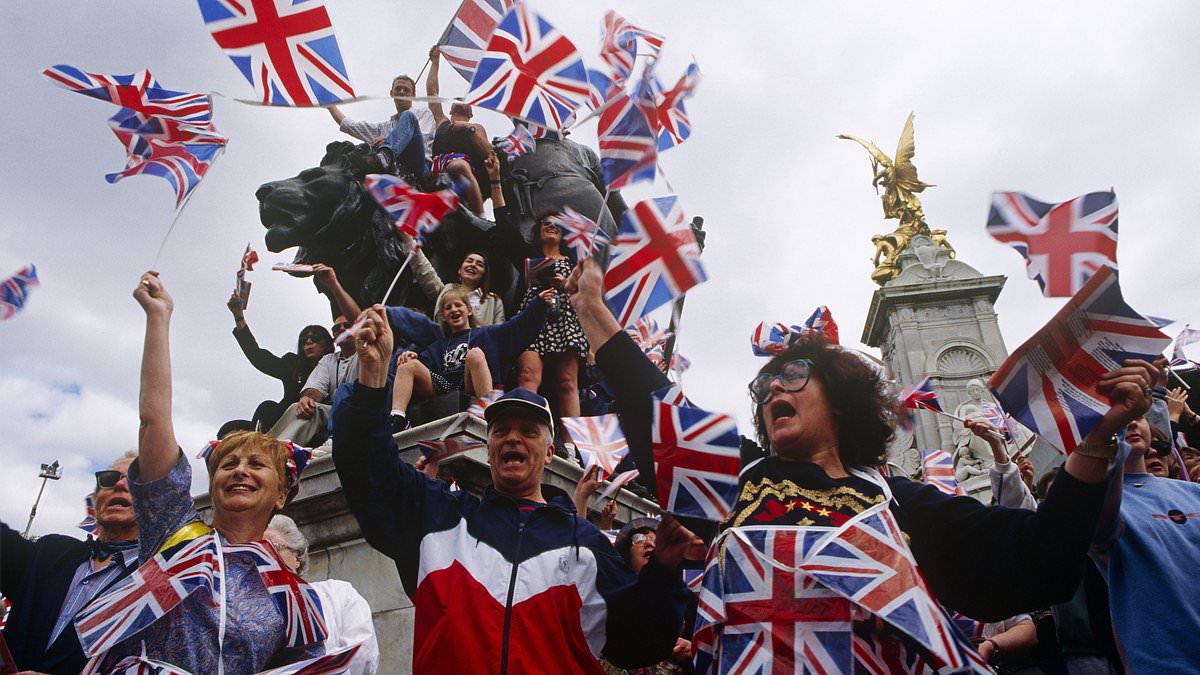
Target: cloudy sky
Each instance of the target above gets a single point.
(1054, 99)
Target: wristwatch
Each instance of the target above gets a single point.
(1099, 450)
(995, 650)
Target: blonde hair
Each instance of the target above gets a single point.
(456, 293)
(251, 440)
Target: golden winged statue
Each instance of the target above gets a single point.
(900, 184)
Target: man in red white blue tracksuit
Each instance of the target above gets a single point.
(510, 582)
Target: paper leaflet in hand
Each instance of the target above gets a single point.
(618, 481)
(293, 268)
(1049, 383)
(249, 257)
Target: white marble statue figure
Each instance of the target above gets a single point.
(972, 456)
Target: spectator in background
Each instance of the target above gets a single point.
(347, 614)
(405, 138)
(457, 553)
(292, 369)
(467, 358)
(461, 148)
(49, 580)
(305, 422)
(589, 482)
(1008, 485)
(560, 346)
(473, 280)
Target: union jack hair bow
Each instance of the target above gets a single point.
(297, 460)
(769, 339)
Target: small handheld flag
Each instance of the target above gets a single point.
(15, 290)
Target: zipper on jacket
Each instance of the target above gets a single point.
(512, 588)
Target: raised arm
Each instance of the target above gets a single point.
(328, 280)
(264, 361)
(157, 448)
(432, 87)
(337, 114)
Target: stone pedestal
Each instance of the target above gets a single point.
(338, 551)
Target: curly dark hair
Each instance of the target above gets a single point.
(863, 408)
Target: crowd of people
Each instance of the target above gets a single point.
(1071, 572)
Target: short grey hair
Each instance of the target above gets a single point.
(292, 538)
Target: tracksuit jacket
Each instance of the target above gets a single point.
(498, 587)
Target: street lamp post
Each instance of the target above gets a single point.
(49, 472)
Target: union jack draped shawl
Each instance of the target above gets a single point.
(286, 49)
(785, 599)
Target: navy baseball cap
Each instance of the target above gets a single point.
(520, 400)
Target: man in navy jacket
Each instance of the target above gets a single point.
(49, 580)
(511, 582)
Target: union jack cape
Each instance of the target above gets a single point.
(1049, 383)
(530, 70)
(14, 291)
(286, 49)
(654, 259)
(332, 663)
(468, 33)
(1063, 244)
(296, 601)
(415, 213)
(696, 460)
(599, 440)
(783, 599)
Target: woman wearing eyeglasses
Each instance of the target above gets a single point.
(226, 620)
(839, 540)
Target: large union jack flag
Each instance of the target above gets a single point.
(182, 165)
(469, 31)
(696, 460)
(1049, 383)
(599, 440)
(628, 135)
(157, 586)
(939, 471)
(286, 49)
(1063, 244)
(15, 290)
(296, 601)
(139, 92)
(654, 259)
(674, 125)
(619, 44)
(415, 213)
(530, 70)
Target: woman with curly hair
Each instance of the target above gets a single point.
(814, 521)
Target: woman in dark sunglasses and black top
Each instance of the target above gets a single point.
(841, 540)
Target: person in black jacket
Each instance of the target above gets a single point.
(824, 416)
(49, 580)
(291, 369)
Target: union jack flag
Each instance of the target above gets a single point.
(628, 137)
(1186, 337)
(519, 142)
(758, 615)
(646, 333)
(483, 402)
(673, 122)
(696, 460)
(243, 287)
(1063, 244)
(619, 44)
(157, 586)
(536, 267)
(139, 92)
(182, 165)
(673, 395)
(619, 481)
(601, 88)
(414, 213)
(165, 129)
(995, 416)
(599, 441)
(469, 31)
(821, 321)
(15, 290)
(920, 396)
(869, 564)
(769, 339)
(137, 665)
(332, 663)
(1049, 383)
(939, 471)
(88, 524)
(435, 450)
(296, 601)
(530, 70)
(579, 232)
(286, 49)
(655, 259)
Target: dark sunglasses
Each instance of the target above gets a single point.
(1161, 448)
(315, 338)
(793, 376)
(108, 478)
(341, 326)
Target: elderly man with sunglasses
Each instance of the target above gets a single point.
(49, 580)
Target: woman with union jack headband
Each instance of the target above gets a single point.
(849, 563)
(221, 598)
